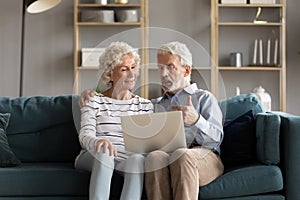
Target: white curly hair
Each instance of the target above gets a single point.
(111, 57)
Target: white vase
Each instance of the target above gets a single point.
(264, 97)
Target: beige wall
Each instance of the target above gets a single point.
(10, 47)
(48, 55)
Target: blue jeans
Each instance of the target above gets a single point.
(102, 165)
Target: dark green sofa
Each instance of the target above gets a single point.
(42, 134)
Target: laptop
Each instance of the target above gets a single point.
(153, 131)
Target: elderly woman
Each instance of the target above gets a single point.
(101, 134)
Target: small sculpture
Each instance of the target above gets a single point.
(256, 21)
(264, 97)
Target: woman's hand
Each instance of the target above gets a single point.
(106, 144)
(85, 95)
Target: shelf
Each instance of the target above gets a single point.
(193, 68)
(93, 5)
(237, 16)
(251, 5)
(83, 28)
(108, 24)
(249, 24)
(249, 68)
(149, 67)
(201, 68)
(88, 68)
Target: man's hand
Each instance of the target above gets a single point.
(189, 113)
(106, 144)
(85, 95)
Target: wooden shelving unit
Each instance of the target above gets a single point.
(142, 23)
(217, 22)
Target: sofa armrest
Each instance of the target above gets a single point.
(267, 138)
(290, 153)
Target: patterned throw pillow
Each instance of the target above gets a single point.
(7, 157)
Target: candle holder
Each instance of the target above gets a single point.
(258, 53)
(261, 59)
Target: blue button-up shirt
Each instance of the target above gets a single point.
(208, 130)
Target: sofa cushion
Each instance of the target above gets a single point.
(244, 181)
(236, 106)
(254, 197)
(239, 144)
(42, 128)
(267, 126)
(7, 157)
(46, 179)
(267, 134)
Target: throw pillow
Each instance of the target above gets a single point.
(239, 143)
(7, 157)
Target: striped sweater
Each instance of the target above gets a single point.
(100, 119)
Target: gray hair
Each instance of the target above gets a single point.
(111, 57)
(181, 50)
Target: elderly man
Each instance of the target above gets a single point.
(179, 175)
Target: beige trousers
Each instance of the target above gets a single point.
(179, 175)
